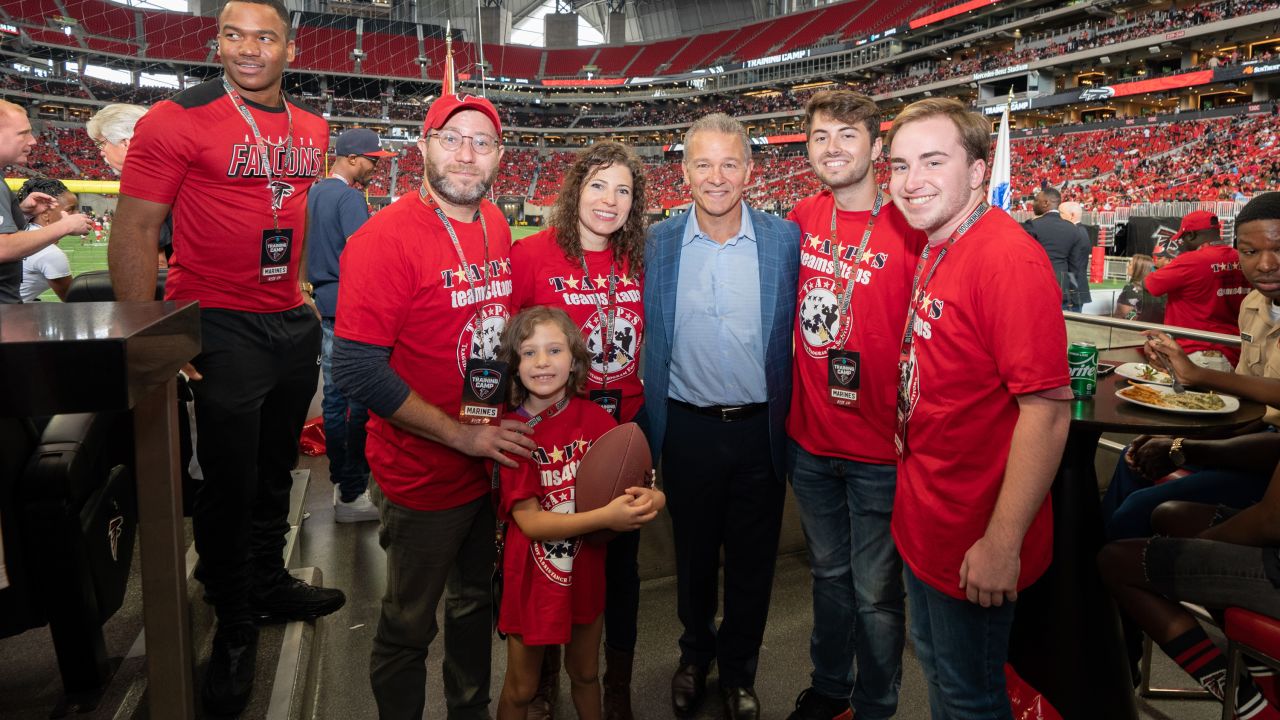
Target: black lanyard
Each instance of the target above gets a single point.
(845, 296)
(605, 315)
(264, 147)
(483, 294)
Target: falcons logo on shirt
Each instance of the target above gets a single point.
(279, 191)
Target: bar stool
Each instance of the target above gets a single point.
(1248, 634)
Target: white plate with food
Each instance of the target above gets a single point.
(1159, 397)
(1143, 372)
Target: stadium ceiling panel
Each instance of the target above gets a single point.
(659, 19)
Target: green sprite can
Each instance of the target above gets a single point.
(1082, 360)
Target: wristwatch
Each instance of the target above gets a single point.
(308, 288)
(1176, 456)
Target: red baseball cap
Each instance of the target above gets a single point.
(1198, 220)
(445, 107)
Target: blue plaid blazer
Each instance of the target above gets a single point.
(778, 247)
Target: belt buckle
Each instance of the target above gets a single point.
(726, 413)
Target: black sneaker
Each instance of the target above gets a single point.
(289, 598)
(228, 679)
(812, 706)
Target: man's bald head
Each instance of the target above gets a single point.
(1071, 211)
(16, 138)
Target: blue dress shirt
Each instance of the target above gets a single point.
(717, 357)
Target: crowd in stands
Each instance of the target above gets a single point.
(1200, 160)
(68, 88)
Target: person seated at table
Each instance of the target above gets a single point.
(1220, 472)
(1129, 302)
(1214, 557)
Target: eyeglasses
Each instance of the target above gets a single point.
(100, 143)
(452, 141)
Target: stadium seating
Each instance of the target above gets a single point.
(327, 49)
(390, 54)
(613, 61)
(102, 18)
(567, 63)
(652, 56)
(179, 37)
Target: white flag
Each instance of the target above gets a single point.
(998, 193)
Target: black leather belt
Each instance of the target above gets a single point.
(723, 413)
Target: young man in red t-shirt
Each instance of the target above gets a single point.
(841, 457)
(1205, 288)
(424, 297)
(983, 417)
(233, 158)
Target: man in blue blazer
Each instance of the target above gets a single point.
(720, 290)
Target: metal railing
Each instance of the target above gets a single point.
(1139, 326)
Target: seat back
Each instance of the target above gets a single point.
(95, 286)
(20, 608)
(84, 464)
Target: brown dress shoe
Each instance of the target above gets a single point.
(688, 686)
(617, 684)
(740, 703)
(543, 705)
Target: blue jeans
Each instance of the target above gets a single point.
(963, 648)
(344, 423)
(858, 598)
(1131, 498)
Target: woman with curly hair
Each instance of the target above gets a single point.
(590, 263)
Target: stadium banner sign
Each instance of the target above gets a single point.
(1015, 106)
(1245, 72)
(79, 187)
(8, 29)
(775, 59)
(1103, 93)
(978, 77)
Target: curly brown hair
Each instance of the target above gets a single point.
(521, 327)
(628, 241)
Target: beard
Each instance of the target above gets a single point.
(456, 193)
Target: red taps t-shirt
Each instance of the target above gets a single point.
(882, 284)
(988, 329)
(1205, 288)
(196, 153)
(403, 287)
(551, 585)
(542, 275)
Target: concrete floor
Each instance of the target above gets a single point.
(350, 558)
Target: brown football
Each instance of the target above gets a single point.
(619, 459)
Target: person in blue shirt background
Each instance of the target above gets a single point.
(335, 210)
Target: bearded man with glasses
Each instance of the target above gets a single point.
(425, 293)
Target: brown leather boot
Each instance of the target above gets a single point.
(543, 706)
(617, 684)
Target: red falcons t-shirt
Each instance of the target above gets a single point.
(403, 287)
(882, 284)
(551, 585)
(542, 275)
(988, 329)
(196, 152)
(1205, 288)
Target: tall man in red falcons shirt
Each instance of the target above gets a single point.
(233, 159)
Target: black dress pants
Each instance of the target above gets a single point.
(722, 492)
(260, 372)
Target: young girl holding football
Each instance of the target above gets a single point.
(553, 579)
